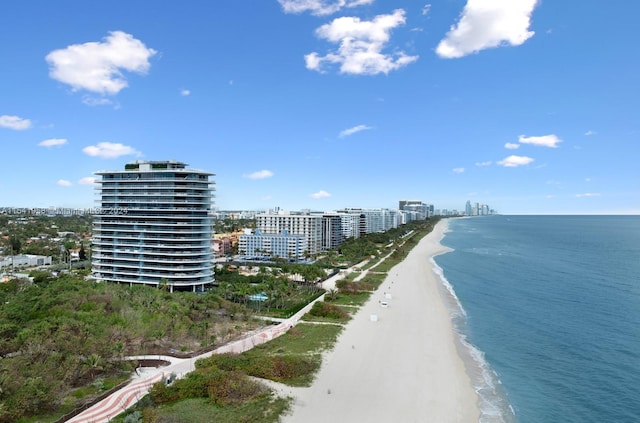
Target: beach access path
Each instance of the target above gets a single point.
(126, 397)
(394, 363)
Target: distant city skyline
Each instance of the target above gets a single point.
(526, 105)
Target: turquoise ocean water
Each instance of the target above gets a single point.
(548, 308)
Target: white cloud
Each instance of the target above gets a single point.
(98, 66)
(590, 132)
(64, 183)
(185, 93)
(53, 142)
(261, 174)
(482, 164)
(588, 194)
(320, 7)
(361, 44)
(515, 161)
(14, 122)
(353, 130)
(551, 141)
(487, 24)
(458, 170)
(97, 101)
(511, 146)
(320, 194)
(426, 9)
(87, 180)
(110, 150)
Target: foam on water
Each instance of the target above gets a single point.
(492, 402)
(547, 309)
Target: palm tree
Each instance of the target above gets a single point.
(242, 290)
(226, 289)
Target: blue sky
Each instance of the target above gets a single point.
(530, 107)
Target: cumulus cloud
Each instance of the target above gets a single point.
(487, 24)
(98, 66)
(588, 194)
(483, 164)
(353, 130)
(320, 194)
(361, 44)
(64, 183)
(110, 150)
(320, 7)
(53, 142)
(426, 9)
(551, 141)
(511, 146)
(590, 132)
(185, 93)
(14, 122)
(261, 174)
(458, 170)
(515, 161)
(87, 180)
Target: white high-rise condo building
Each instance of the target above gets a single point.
(305, 224)
(153, 226)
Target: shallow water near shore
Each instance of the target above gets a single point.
(548, 310)
(493, 404)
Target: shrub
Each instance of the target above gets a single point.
(322, 309)
(233, 388)
(161, 393)
(282, 368)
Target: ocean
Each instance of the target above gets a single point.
(548, 310)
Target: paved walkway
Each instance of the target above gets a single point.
(119, 401)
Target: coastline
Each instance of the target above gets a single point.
(403, 367)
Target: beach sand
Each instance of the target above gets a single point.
(404, 367)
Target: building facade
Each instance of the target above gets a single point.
(354, 222)
(261, 246)
(305, 224)
(417, 208)
(153, 226)
(332, 235)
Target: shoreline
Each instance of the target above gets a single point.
(406, 366)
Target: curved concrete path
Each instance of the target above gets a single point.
(119, 401)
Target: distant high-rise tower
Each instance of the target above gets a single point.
(153, 226)
(423, 210)
(468, 210)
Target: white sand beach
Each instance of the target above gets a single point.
(404, 367)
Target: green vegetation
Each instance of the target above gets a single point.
(328, 312)
(265, 408)
(44, 235)
(223, 226)
(220, 389)
(287, 288)
(63, 338)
